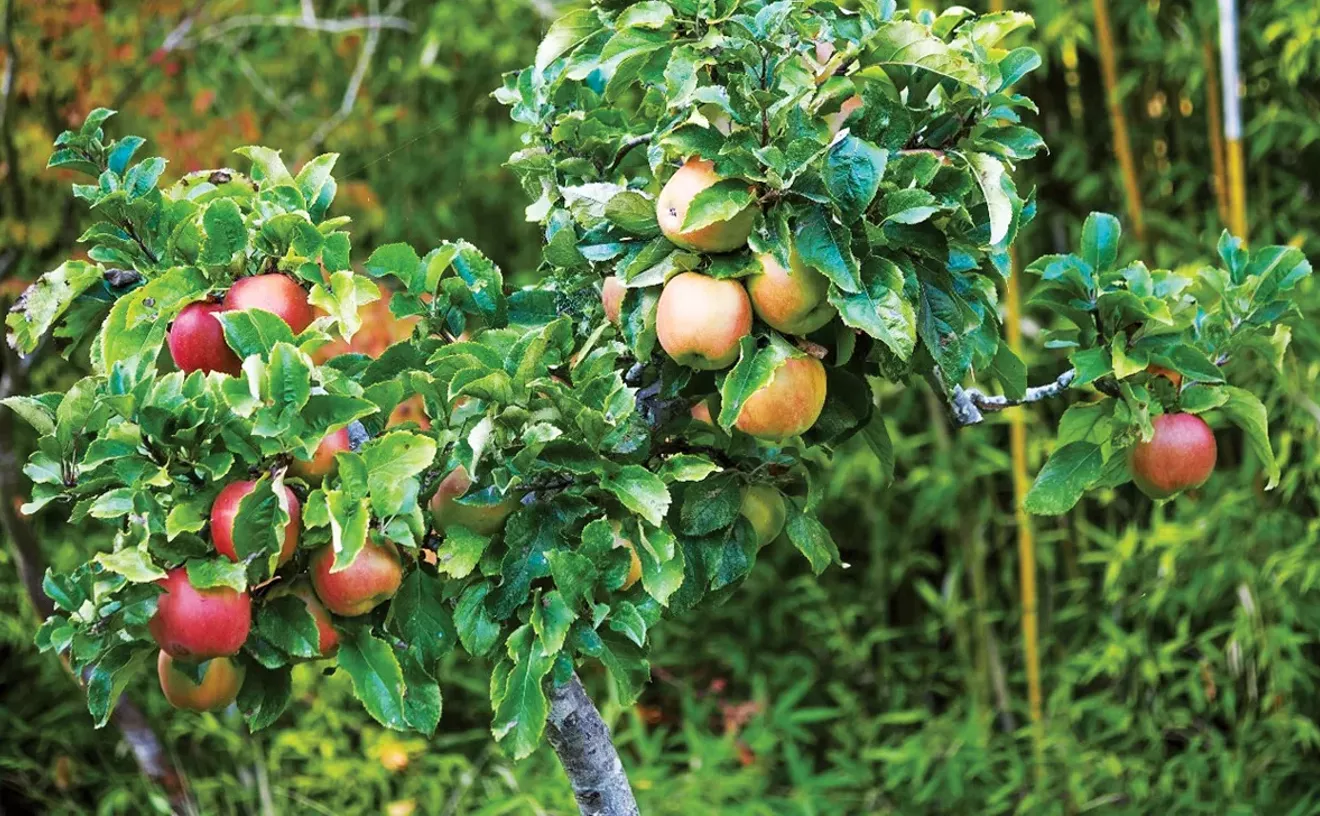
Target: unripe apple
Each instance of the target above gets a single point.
(278, 294)
(327, 637)
(791, 300)
(197, 341)
(763, 506)
(612, 291)
(371, 579)
(219, 687)
(787, 405)
(484, 519)
(322, 463)
(225, 510)
(700, 320)
(671, 208)
(197, 624)
(634, 563)
(1180, 454)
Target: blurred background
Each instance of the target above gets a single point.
(1179, 646)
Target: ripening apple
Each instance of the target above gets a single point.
(225, 509)
(1180, 454)
(197, 341)
(703, 412)
(612, 291)
(790, 300)
(836, 120)
(787, 405)
(327, 637)
(278, 294)
(369, 580)
(413, 410)
(198, 624)
(634, 563)
(700, 320)
(763, 506)
(1167, 373)
(671, 209)
(322, 463)
(484, 519)
(221, 681)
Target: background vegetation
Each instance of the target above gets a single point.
(1178, 642)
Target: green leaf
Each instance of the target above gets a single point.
(574, 573)
(392, 461)
(519, 699)
(461, 551)
(826, 246)
(564, 34)
(207, 573)
(1100, 235)
(288, 625)
(1247, 412)
(811, 538)
(853, 170)
(225, 234)
(419, 615)
(266, 165)
(910, 44)
(718, 203)
(35, 411)
(879, 308)
(134, 564)
(376, 675)
(1010, 371)
(47, 300)
(107, 677)
(633, 212)
(422, 702)
(265, 695)
(754, 370)
(254, 331)
(640, 491)
(551, 618)
(1071, 469)
(477, 630)
(686, 467)
(401, 261)
(997, 188)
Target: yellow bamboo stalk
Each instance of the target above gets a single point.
(1118, 121)
(1215, 120)
(1017, 429)
(1228, 62)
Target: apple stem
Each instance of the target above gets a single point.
(582, 742)
(969, 405)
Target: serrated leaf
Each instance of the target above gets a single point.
(376, 675)
(1071, 469)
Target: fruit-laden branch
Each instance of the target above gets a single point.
(582, 741)
(150, 755)
(969, 405)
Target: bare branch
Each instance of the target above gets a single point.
(970, 405)
(6, 120)
(172, 42)
(582, 741)
(354, 81)
(370, 22)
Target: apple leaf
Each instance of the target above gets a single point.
(376, 675)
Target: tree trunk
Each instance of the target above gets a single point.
(582, 741)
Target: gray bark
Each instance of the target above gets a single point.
(582, 741)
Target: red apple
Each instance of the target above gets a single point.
(225, 509)
(219, 687)
(275, 293)
(371, 579)
(322, 463)
(1181, 454)
(197, 341)
(197, 624)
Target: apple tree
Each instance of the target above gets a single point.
(751, 212)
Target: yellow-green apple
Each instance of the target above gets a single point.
(787, 405)
(700, 320)
(791, 300)
(763, 506)
(447, 507)
(671, 209)
(221, 681)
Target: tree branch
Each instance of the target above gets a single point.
(582, 742)
(970, 405)
(355, 80)
(6, 119)
(370, 22)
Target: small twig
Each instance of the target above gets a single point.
(970, 405)
(370, 22)
(355, 80)
(626, 148)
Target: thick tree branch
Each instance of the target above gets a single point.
(151, 758)
(970, 405)
(582, 741)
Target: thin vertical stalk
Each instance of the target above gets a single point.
(1017, 429)
(1104, 32)
(1215, 120)
(1228, 61)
